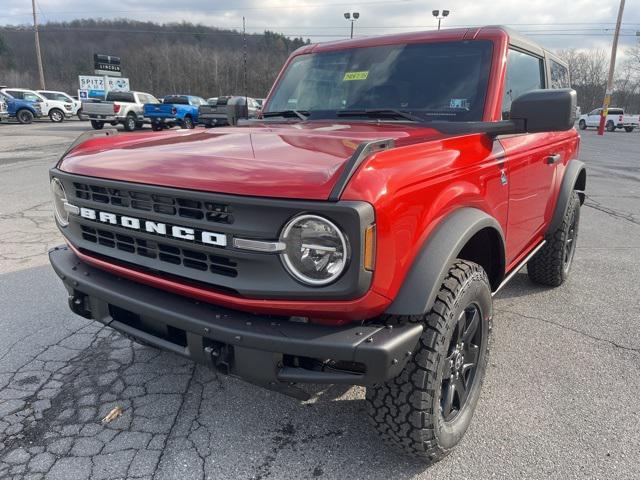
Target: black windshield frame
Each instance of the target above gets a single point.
(445, 80)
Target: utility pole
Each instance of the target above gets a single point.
(612, 66)
(244, 74)
(38, 54)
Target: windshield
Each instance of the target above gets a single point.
(439, 81)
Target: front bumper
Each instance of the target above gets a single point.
(269, 351)
(4, 115)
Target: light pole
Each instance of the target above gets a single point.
(436, 13)
(352, 17)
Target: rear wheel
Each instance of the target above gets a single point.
(551, 265)
(130, 123)
(629, 129)
(156, 126)
(582, 125)
(97, 125)
(610, 126)
(427, 409)
(24, 116)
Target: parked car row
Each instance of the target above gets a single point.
(24, 105)
(133, 109)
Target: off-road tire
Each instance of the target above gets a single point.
(629, 129)
(582, 125)
(407, 411)
(551, 265)
(129, 123)
(24, 116)
(611, 127)
(97, 124)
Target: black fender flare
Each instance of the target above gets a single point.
(438, 253)
(574, 178)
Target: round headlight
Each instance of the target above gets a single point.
(316, 251)
(59, 199)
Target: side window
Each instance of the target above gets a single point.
(559, 76)
(524, 73)
(16, 94)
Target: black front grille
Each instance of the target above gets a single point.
(151, 202)
(165, 253)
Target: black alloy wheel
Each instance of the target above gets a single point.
(570, 241)
(461, 363)
(24, 116)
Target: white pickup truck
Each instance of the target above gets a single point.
(616, 118)
(56, 95)
(125, 108)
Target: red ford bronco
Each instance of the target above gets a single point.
(354, 234)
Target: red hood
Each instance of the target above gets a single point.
(286, 160)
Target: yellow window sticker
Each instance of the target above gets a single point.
(356, 75)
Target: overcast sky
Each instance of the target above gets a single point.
(554, 23)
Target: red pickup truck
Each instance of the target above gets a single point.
(354, 234)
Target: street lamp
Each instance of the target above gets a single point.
(436, 13)
(352, 17)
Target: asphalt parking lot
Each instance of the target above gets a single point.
(560, 399)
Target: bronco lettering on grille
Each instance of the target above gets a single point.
(158, 228)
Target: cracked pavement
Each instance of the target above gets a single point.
(560, 399)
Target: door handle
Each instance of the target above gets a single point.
(552, 159)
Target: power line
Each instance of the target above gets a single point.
(44, 28)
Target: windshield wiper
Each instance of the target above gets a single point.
(380, 113)
(301, 114)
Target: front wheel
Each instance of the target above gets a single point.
(97, 125)
(582, 125)
(187, 122)
(24, 116)
(427, 409)
(56, 115)
(551, 265)
(610, 126)
(130, 123)
(629, 129)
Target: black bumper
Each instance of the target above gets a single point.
(264, 350)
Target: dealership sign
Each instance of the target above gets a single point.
(106, 65)
(94, 82)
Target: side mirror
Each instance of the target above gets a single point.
(236, 109)
(545, 110)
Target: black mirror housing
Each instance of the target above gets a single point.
(546, 110)
(237, 109)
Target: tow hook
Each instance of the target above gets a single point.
(78, 302)
(218, 356)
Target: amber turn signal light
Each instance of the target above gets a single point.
(370, 248)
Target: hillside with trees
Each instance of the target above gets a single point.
(162, 59)
(206, 61)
